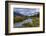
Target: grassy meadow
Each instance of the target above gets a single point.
(35, 21)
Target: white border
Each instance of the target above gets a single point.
(13, 30)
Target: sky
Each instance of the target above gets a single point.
(27, 11)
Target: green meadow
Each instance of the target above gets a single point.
(35, 21)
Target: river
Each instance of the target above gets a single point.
(20, 24)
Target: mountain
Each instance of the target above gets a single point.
(17, 14)
(31, 14)
(36, 15)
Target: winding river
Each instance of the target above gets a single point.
(19, 24)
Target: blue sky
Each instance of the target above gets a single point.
(27, 11)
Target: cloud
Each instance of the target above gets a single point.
(26, 11)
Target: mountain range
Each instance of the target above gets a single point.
(19, 14)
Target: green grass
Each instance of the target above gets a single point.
(35, 21)
(27, 25)
(19, 19)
